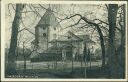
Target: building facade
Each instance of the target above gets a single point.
(48, 41)
(46, 30)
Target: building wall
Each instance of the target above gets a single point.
(43, 38)
(51, 33)
(79, 47)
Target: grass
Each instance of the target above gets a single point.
(40, 70)
(94, 72)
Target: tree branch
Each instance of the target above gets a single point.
(101, 21)
(106, 6)
(35, 11)
(27, 30)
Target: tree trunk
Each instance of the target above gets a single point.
(85, 62)
(15, 26)
(72, 59)
(122, 45)
(81, 57)
(24, 60)
(99, 32)
(72, 64)
(102, 45)
(101, 39)
(112, 61)
(123, 41)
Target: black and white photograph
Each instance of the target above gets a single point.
(64, 40)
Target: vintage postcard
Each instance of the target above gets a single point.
(63, 40)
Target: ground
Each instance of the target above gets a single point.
(62, 70)
(60, 65)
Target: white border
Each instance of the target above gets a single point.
(62, 2)
(50, 2)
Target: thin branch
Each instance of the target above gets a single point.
(121, 6)
(107, 24)
(27, 12)
(72, 25)
(75, 23)
(34, 10)
(52, 10)
(101, 21)
(13, 7)
(9, 9)
(106, 6)
(120, 21)
(83, 26)
(71, 17)
(27, 30)
(93, 31)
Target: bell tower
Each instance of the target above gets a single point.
(42, 36)
(46, 30)
(42, 31)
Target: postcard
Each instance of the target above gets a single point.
(63, 40)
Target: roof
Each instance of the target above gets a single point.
(72, 34)
(54, 50)
(64, 40)
(49, 19)
(68, 37)
(75, 38)
(86, 38)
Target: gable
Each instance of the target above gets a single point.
(72, 36)
(49, 19)
(69, 36)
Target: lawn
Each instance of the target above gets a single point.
(63, 70)
(60, 65)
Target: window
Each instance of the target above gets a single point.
(69, 37)
(54, 28)
(44, 34)
(44, 27)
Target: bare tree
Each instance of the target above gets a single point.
(14, 35)
(117, 58)
(122, 23)
(112, 13)
(85, 60)
(97, 27)
(13, 44)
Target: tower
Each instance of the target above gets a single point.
(46, 30)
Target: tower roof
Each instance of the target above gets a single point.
(49, 19)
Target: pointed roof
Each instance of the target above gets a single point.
(49, 19)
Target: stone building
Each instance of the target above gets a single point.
(46, 30)
(50, 44)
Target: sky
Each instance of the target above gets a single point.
(30, 20)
